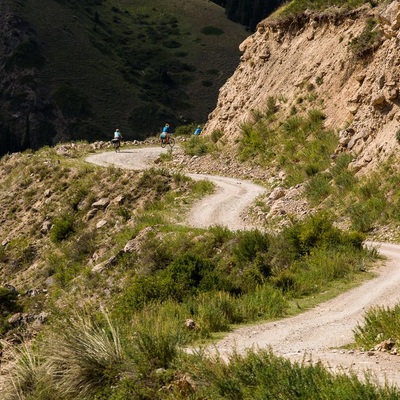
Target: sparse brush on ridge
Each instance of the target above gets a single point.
(300, 145)
(369, 39)
(296, 7)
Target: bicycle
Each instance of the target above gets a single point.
(116, 144)
(170, 142)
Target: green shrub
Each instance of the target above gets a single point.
(8, 305)
(318, 230)
(318, 187)
(365, 214)
(369, 39)
(71, 102)
(62, 228)
(186, 276)
(292, 126)
(250, 245)
(216, 311)
(155, 179)
(261, 374)
(380, 323)
(189, 273)
(255, 142)
(216, 134)
(211, 30)
(271, 106)
(323, 266)
(156, 343)
(26, 55)
(264, 302)
(8, 300)
(285, 281)
(198, 146)
(124, 213)
(343, 178)
(311, 169)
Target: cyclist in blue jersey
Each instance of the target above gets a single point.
(164, 136)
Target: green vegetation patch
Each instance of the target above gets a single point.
(199, 145)
(26, 55)
(9, 304)
(172, 276)
(369, 39)
(220, 278)
(71, 102)
(297, 7)
(380, 324)
(211, 30)
(300, 144)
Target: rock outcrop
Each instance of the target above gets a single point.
(316, 54)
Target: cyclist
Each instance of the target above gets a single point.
(197, 131)
(117, 135)
(164, 136)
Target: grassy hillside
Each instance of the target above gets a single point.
(102, 285)
(129, 64)
(76, 238)
(79, 238)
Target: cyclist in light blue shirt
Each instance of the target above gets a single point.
(117, 134)
(197, 131)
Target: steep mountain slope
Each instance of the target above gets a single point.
(76, 70)
(343, 63)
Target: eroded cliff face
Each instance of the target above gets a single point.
(311, 56)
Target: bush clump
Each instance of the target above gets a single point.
(212, 30)
(369, 39)
(26, 55)
(380, 323)
(8, 305)
(62, 228)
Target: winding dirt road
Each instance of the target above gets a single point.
(318, 334)
(224, 207)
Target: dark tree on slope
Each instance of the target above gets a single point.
(248, 12)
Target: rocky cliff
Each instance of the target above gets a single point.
(347, 62)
